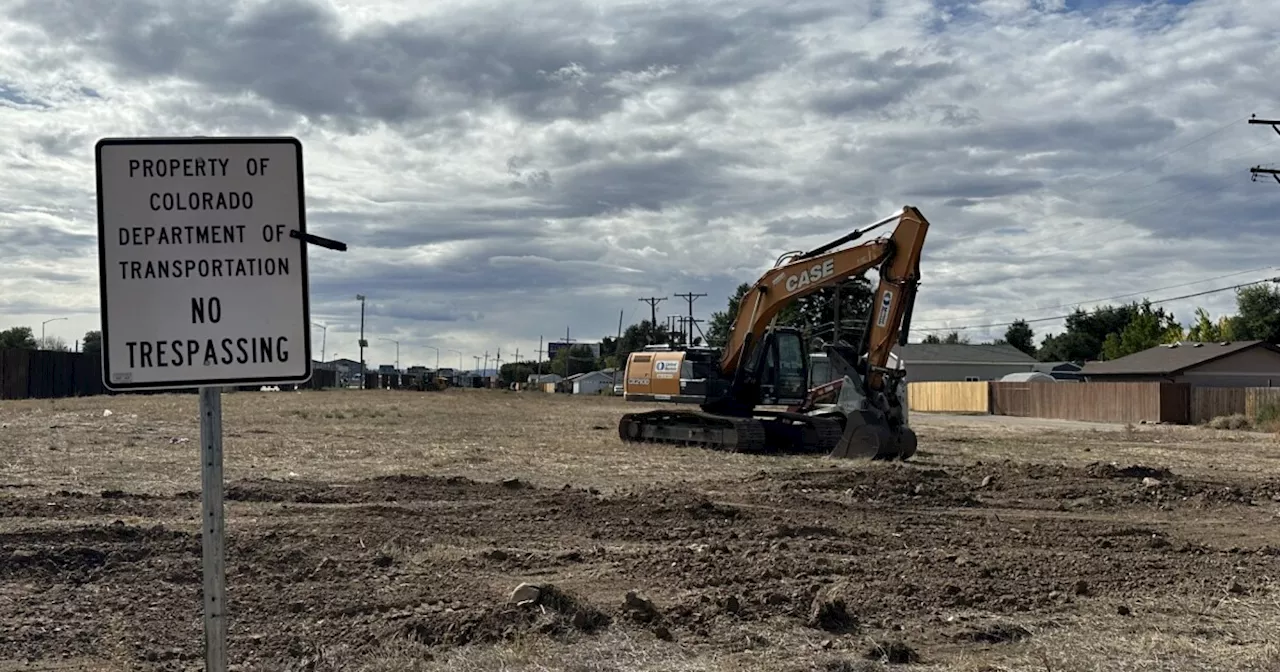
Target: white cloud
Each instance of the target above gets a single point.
(504, 170)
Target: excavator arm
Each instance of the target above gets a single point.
(867, 420)
(898, 258)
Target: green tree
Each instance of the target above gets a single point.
(517, 372)
(1021, 336)
(1205, 330)
(721, 322)
(636, 336)
(18, 337)
(573, 360)
(1085, 332)
(814, 313)
(953, 338)
(1148, 328)
(1257, 314)
(92, 343)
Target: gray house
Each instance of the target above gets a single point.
(1225, 364)
(961, 361)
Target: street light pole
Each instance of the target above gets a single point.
(363, 343)
(324, 337)
(397, 351)
(437, 355)
(52, 319)
(459, 359)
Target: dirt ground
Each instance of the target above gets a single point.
(382, 530)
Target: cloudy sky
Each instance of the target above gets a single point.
(504, 170)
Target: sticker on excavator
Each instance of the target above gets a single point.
(886, 302)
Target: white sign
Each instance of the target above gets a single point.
(201, 282)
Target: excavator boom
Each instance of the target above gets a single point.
(760, 362)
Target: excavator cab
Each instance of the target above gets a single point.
(776, 374)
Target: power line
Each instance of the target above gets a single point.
(1163, 202)
(1063, 317)
(1179, 148)
(1105, 298)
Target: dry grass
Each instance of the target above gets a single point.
(150, 443)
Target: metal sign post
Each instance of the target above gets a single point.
(215, 585)
(202, 264)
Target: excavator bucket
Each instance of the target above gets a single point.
(868, 437)
(868, 434)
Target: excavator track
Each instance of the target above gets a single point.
(775, 432)
(694, 428)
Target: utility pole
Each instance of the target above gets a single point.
(541, 352)
(485, 370)
(690, 297)
(363, 343)
(653, 302)
(617, 350)
(1259, 170)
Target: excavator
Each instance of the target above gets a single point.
(766, 365)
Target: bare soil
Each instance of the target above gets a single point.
(386, 530)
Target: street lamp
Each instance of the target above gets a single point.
(324, 337)
(363, 343)
(459, 359)
(52, 319)
(437, 355)
(397, 350)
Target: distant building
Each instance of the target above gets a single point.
(1224, 364)
(1061, 370)
(590, 383)
(961, 361)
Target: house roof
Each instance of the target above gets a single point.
(1172, 358)
(961, 353)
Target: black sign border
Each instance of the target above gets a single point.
(102, 263)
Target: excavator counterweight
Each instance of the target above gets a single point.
(755, 394)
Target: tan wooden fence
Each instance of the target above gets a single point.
(948, 397)
(1091, 402)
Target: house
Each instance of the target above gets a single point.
(1221, 364)
(543, 379)
(1061, 370)
(590, 383)
(961, 361)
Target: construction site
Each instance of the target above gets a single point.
(499, 530)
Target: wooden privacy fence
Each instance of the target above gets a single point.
(1091, 402)
(948, 397)
(49, 374)
(1208, 403)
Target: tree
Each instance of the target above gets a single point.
(722, 321)
(92, 343)
(18, 337)
(1257, 314)
(517, 372)
(636, 336)
(814, 313)
(1085, 332)
(1021, 336)
(1148, 328)
(54, 343)
(573, 360)
(953, 338)
(1205, 330)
